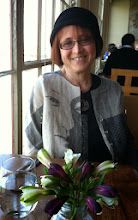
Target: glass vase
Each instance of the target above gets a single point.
(65, 213)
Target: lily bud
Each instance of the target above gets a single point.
(106, 190)
(111, 202)
(32, 194)
(105, 167)
(44, 157)
(93, 206)
(54, 205)
(49, 181)
(86, 171)
(57, 171)
(70, 157)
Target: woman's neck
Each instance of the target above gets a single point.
(83, 80)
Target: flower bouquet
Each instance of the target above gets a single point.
(75, 184)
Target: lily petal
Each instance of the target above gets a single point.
(53, 206)
(106, 190)
(87, 169)
(70, 157)
(105, 167)
(31, 194)
(93, 206)
(44, 157)
(110, 202)
(57, 171)
(49, 181)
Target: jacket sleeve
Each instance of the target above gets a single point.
(33, 121)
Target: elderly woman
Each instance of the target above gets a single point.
(73, 108)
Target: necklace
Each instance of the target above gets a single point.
(84, 105)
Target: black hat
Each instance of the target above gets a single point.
(81, 17)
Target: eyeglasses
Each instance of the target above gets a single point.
(69, 44)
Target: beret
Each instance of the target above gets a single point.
(81, 17)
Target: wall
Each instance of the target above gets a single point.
(119, 20)
(133, 18)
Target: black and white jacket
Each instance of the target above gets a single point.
(55, 109)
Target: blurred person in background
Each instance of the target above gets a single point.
(111, 48)
(126, 57)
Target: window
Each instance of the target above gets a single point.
(5, 79)
(101, 5)
(100, 14)
(25, 54)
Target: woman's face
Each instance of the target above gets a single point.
(77, 56)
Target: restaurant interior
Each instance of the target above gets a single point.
(26, 58)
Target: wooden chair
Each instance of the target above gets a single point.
(131, 106)
(128, 76)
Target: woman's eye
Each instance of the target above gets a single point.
(68, 43)
(82, 41)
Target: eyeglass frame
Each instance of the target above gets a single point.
(82, 42)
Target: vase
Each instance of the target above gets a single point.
(65, 213)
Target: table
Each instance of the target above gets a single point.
(124, 179)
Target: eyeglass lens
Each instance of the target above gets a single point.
(69, 44)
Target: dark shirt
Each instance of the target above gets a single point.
(124, 58)
(97, 150)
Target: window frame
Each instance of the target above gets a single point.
(18, 64)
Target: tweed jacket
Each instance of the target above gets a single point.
(55, 111)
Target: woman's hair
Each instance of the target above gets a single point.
(55, 52)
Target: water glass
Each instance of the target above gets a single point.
(11, 193)
(16, 171)
(17, 163)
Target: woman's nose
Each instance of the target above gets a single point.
(77, 46)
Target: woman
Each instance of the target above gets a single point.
(73, 108)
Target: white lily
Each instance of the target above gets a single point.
(70, 157)
(105, 167)
(44, 157)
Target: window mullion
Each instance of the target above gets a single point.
(36, 64)
(39, 33)
(65, 3)
(17, 62)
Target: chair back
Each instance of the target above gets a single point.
(128, 89)
(131, 106)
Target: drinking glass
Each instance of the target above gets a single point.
(17, 163)
(16, 171)
(11, 193)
